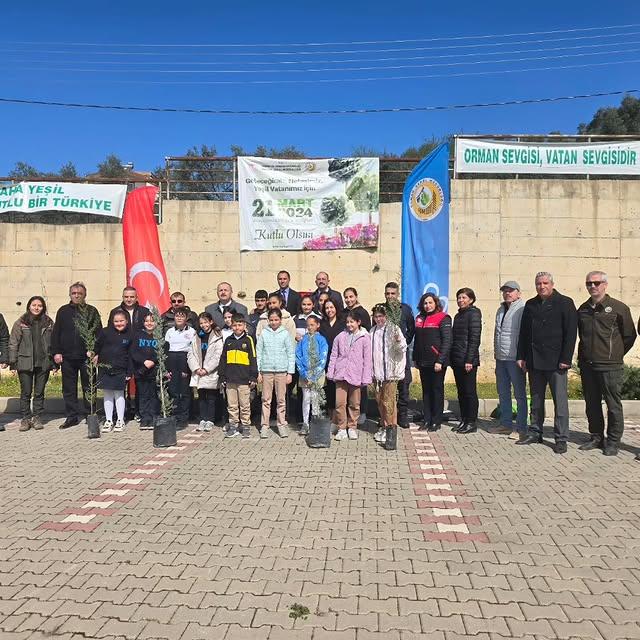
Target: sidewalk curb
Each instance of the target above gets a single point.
(55, 406)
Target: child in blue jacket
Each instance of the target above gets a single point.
(311, 377)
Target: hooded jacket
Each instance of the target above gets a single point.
(350, 359)
(288, 323)
(275, 350)
(208, 359)
(303, 357)
(143, 347)
(21, 342)
(389, 353)
(507, 330)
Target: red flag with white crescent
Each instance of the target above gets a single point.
(145, 267)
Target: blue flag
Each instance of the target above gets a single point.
(425, 229)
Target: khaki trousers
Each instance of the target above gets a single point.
(347, 405)
(239, 403)
(387, 403)
(277, 381)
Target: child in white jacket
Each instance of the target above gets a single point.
(389, 354)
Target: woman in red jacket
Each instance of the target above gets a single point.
(431, 346)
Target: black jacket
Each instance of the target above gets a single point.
(238, 363)
(143, 347)
(465, 337)
(293, 301)
(65, 338)
(548, 332)
(606, 333)
(136, 322)
(112, 348)
(4, 341)
(331, 332)
(432, 341)
(335, 296)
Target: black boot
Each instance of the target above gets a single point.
(470, 427)
(610, 448)
(424, 427)
(434, 427)
(596, 442)
(391, 441)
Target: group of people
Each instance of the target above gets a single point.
(325, 347)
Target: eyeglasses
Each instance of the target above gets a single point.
(177, 301)
(592, 283)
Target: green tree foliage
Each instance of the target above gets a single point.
(612, 121)
(24, 171)
(112, 167)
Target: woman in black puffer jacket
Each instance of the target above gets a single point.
(465, 358)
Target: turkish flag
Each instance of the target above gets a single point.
(145, 267)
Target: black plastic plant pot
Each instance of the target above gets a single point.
(164, 432)
(319, 433)
(93, 426)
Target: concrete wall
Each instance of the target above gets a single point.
(500, 229)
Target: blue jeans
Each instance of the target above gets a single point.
(508, 373)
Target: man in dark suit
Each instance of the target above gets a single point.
(291, 298)
(134, 310)
(225, 301)
(547, 339)
(322, 286)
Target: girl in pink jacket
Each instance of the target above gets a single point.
(350, 369)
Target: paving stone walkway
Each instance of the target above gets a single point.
(450, 537)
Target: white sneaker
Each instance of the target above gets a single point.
(208, 426)
(380, 435)
(342, 434)
(201, 426)
(264, 433)
(107, 426)
(352, 434)
(362, 418)
(119, 425)
(283, 431)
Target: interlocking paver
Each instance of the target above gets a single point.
(195, 554)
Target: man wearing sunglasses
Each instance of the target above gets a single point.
(178, 301)
(606, 333)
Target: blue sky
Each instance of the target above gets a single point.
(47, 137)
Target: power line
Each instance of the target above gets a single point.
(352, 60)
(315, 53)
(323, 69)
(367, 79)
(450, 107)
(324, 44)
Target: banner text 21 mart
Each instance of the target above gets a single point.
(313, 204)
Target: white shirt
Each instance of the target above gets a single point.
(180, 340)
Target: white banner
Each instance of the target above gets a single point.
(308, 204)
(491, 156)
(32, 197)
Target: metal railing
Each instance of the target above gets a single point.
(216, 178)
